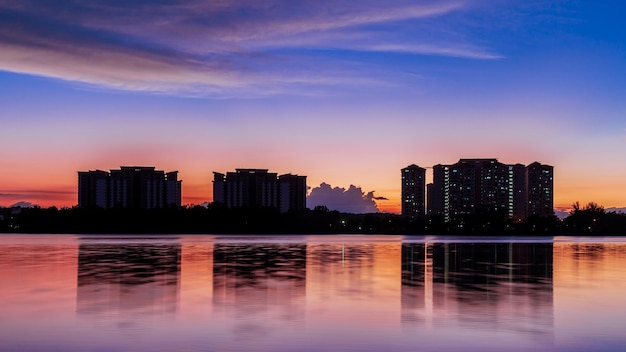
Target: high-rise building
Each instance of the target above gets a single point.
(254, 188)
(472, 186)
(540, 180)
(519, 192)
(93, 189)
(132, 187)
(413, 191)
(292, 191)
(246, 188)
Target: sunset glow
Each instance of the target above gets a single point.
(345, 93)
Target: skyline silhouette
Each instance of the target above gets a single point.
(98, 189)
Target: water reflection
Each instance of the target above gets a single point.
(259, 284)
(349, 293)
(338, 270)
(495, 286)
(125, 280)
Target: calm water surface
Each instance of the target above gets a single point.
(311, 293)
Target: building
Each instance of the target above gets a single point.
(540, 189)
(292, 192)
(93, 189)
(435, 192)
(472, 186)
(130, 187)
(255, 188)
(246, 188)
(413, 191)
(519, 192)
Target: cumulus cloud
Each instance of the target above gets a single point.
(210, 47)
(351, 200)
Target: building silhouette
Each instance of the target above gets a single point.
(131, 187)
(413, 191)
(474, 186)
(540, 189)
(255, 188)
(292, 192)
(478, 185)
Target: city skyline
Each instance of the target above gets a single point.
(345, 93)
(475, 186)
(108, 189)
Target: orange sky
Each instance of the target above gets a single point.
(36, 188)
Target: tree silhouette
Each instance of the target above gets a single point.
(592, 218)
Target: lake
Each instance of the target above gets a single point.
(311, 293)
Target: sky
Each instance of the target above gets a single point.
(344, 92)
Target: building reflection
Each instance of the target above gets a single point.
(358, 270)
(264, 281)
(123, 280)
(498, 286)
(338, 268)
(353, 284)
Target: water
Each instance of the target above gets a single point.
(311, 293)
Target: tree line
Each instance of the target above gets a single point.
(590, 219)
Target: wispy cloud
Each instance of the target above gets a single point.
(36, 193)
(428, 49)
(215, 47)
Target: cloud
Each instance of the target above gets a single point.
(431, 49)
(351, 200)
(561, 213)
(23, 204)
(37, 193)
(37, 197)
(215, 47)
